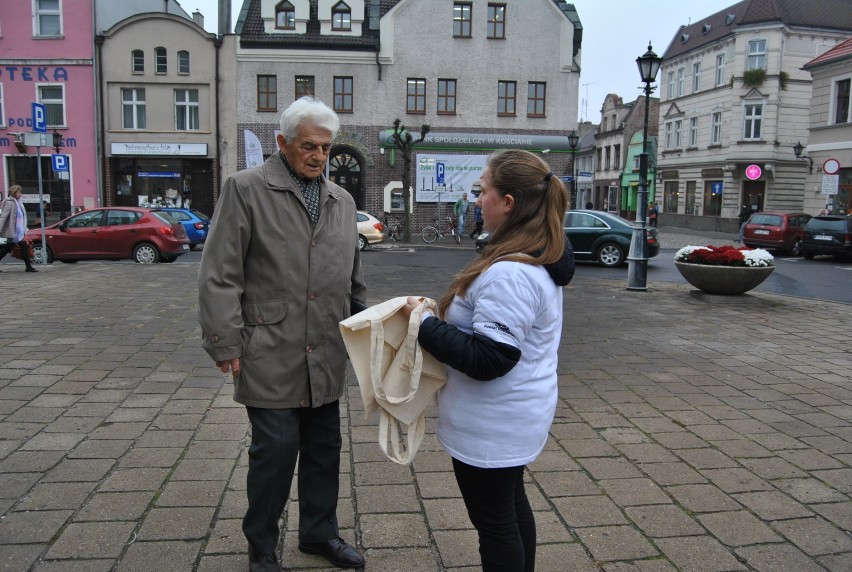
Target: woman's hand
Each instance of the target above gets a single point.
(410, 305)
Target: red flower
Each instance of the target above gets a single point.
(718, 256)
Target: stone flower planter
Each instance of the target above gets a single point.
(724, 280)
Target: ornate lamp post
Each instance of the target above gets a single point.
(573, 140)
(637, 273)
(797, 151)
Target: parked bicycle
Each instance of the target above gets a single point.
(431, 233)
(394, 228)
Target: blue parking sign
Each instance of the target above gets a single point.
(439, 173)
(39, 118)
(59, 163)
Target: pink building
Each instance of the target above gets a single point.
(47, 56)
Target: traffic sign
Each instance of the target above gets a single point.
(59, 163)
(831, 166)
(753, 172)
(439, 173)
(39, 114)
(717, 188)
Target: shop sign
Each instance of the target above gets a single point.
(709, 173)
(753, 172)
(158, 174)
(180, 149)
(484, 141)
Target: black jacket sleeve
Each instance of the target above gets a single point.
(476, 356)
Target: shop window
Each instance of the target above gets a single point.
(446, 96)
(267, 93)
(23, 170)
(497, 21)
(304, 86)
(712, 198)
(48, 18)
(183, 62)
(161, 60)
(670, 197)
(285, 16)
(343, 96)
(690, 198)
(341, 17)
(536, 91)
(53, 99)
(137, 61)
(462, 19)
(133, 114)
(187, 116)
(506, 97)
(415, 96)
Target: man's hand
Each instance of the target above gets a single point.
(232, 365)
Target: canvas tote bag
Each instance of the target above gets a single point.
(396, 376)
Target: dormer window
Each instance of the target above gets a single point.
(705, 29)
(341, 17)
(729, 19)
(285, 16)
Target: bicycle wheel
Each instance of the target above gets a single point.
(396, 234)
(456, 235)
(429, 234)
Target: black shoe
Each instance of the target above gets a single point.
(335, 551)
(31, 269)
(262, 562)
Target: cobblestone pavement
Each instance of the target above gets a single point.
(692, 433)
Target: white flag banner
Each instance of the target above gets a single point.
(254, 152)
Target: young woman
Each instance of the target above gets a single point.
(498, 332)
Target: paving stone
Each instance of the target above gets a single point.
(227, 537)
(698, 554)
(569, 483)
(706, 458)
(738, 528)
(387, 498)
(736, 480)
(837, 563)
(382, 473)
(815, 536)
(608, 543)
(87, 565)
(192, 493)
(53, 496)
(31, 527)
(151, 457)
(144, 556)
(609, 468)
(101, 449)
(777, 558)
(24, 461)
(79, 470)
(663, 521)
(773, 505)
(629, 492)
(446, 514)
(143, 479)
(92, 540)
(838, 513)
(671, 473)
(180, 523)
(702, 498)
(809, 490)
(124, 506)
(772, 468)
(585, 511)
(17, 557)
(458, 548)
(437, 485)
(395, 531)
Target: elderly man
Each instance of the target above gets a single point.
(281, 267)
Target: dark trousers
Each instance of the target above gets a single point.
(25, 252)
(500, 511)
(278, 438)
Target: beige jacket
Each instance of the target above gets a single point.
(272, 288)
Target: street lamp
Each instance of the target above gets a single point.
(573, 140)
(637, 273)
(797, 150)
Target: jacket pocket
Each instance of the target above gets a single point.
(262, 313)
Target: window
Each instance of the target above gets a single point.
(752, 118)
(678, 125)
(343, 94)
(603, 126)
(415, 101)
(341, 17)
(285, 16)
(693, 132)
(716, 128)
(461, 19)
(186, 110)
(496, 20)
(133, 108)
(712, 198)
(616, 157)
(161, 60)
(53, 99)
(720, 69)
(137, 58)
(670, 196)
(267, 93)
(606, 159)
(304, 86)
(842, 112)
(668, 140)
(506, 98)
(756, 55)
(681, 81)
(48, 18)
(2, 108)
(536, 98)
(696, 77)
(690, 198)
(446, 96)
(183, 62)
(671, 84)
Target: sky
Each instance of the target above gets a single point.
(615, 33)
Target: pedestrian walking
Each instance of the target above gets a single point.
(13, 226)
(745, 214)
(280, 268)
(477, 220)
(497, 330)
(460, 210)
(653, 213)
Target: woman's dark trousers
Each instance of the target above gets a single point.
(499, 509)
(278, 438)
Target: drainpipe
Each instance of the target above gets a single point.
(218, 43)
(99, 98)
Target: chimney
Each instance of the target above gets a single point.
(198, 18)
(224, 17)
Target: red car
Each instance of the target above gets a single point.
(114, 233)
(777, 231)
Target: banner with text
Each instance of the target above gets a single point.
(446, 177)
